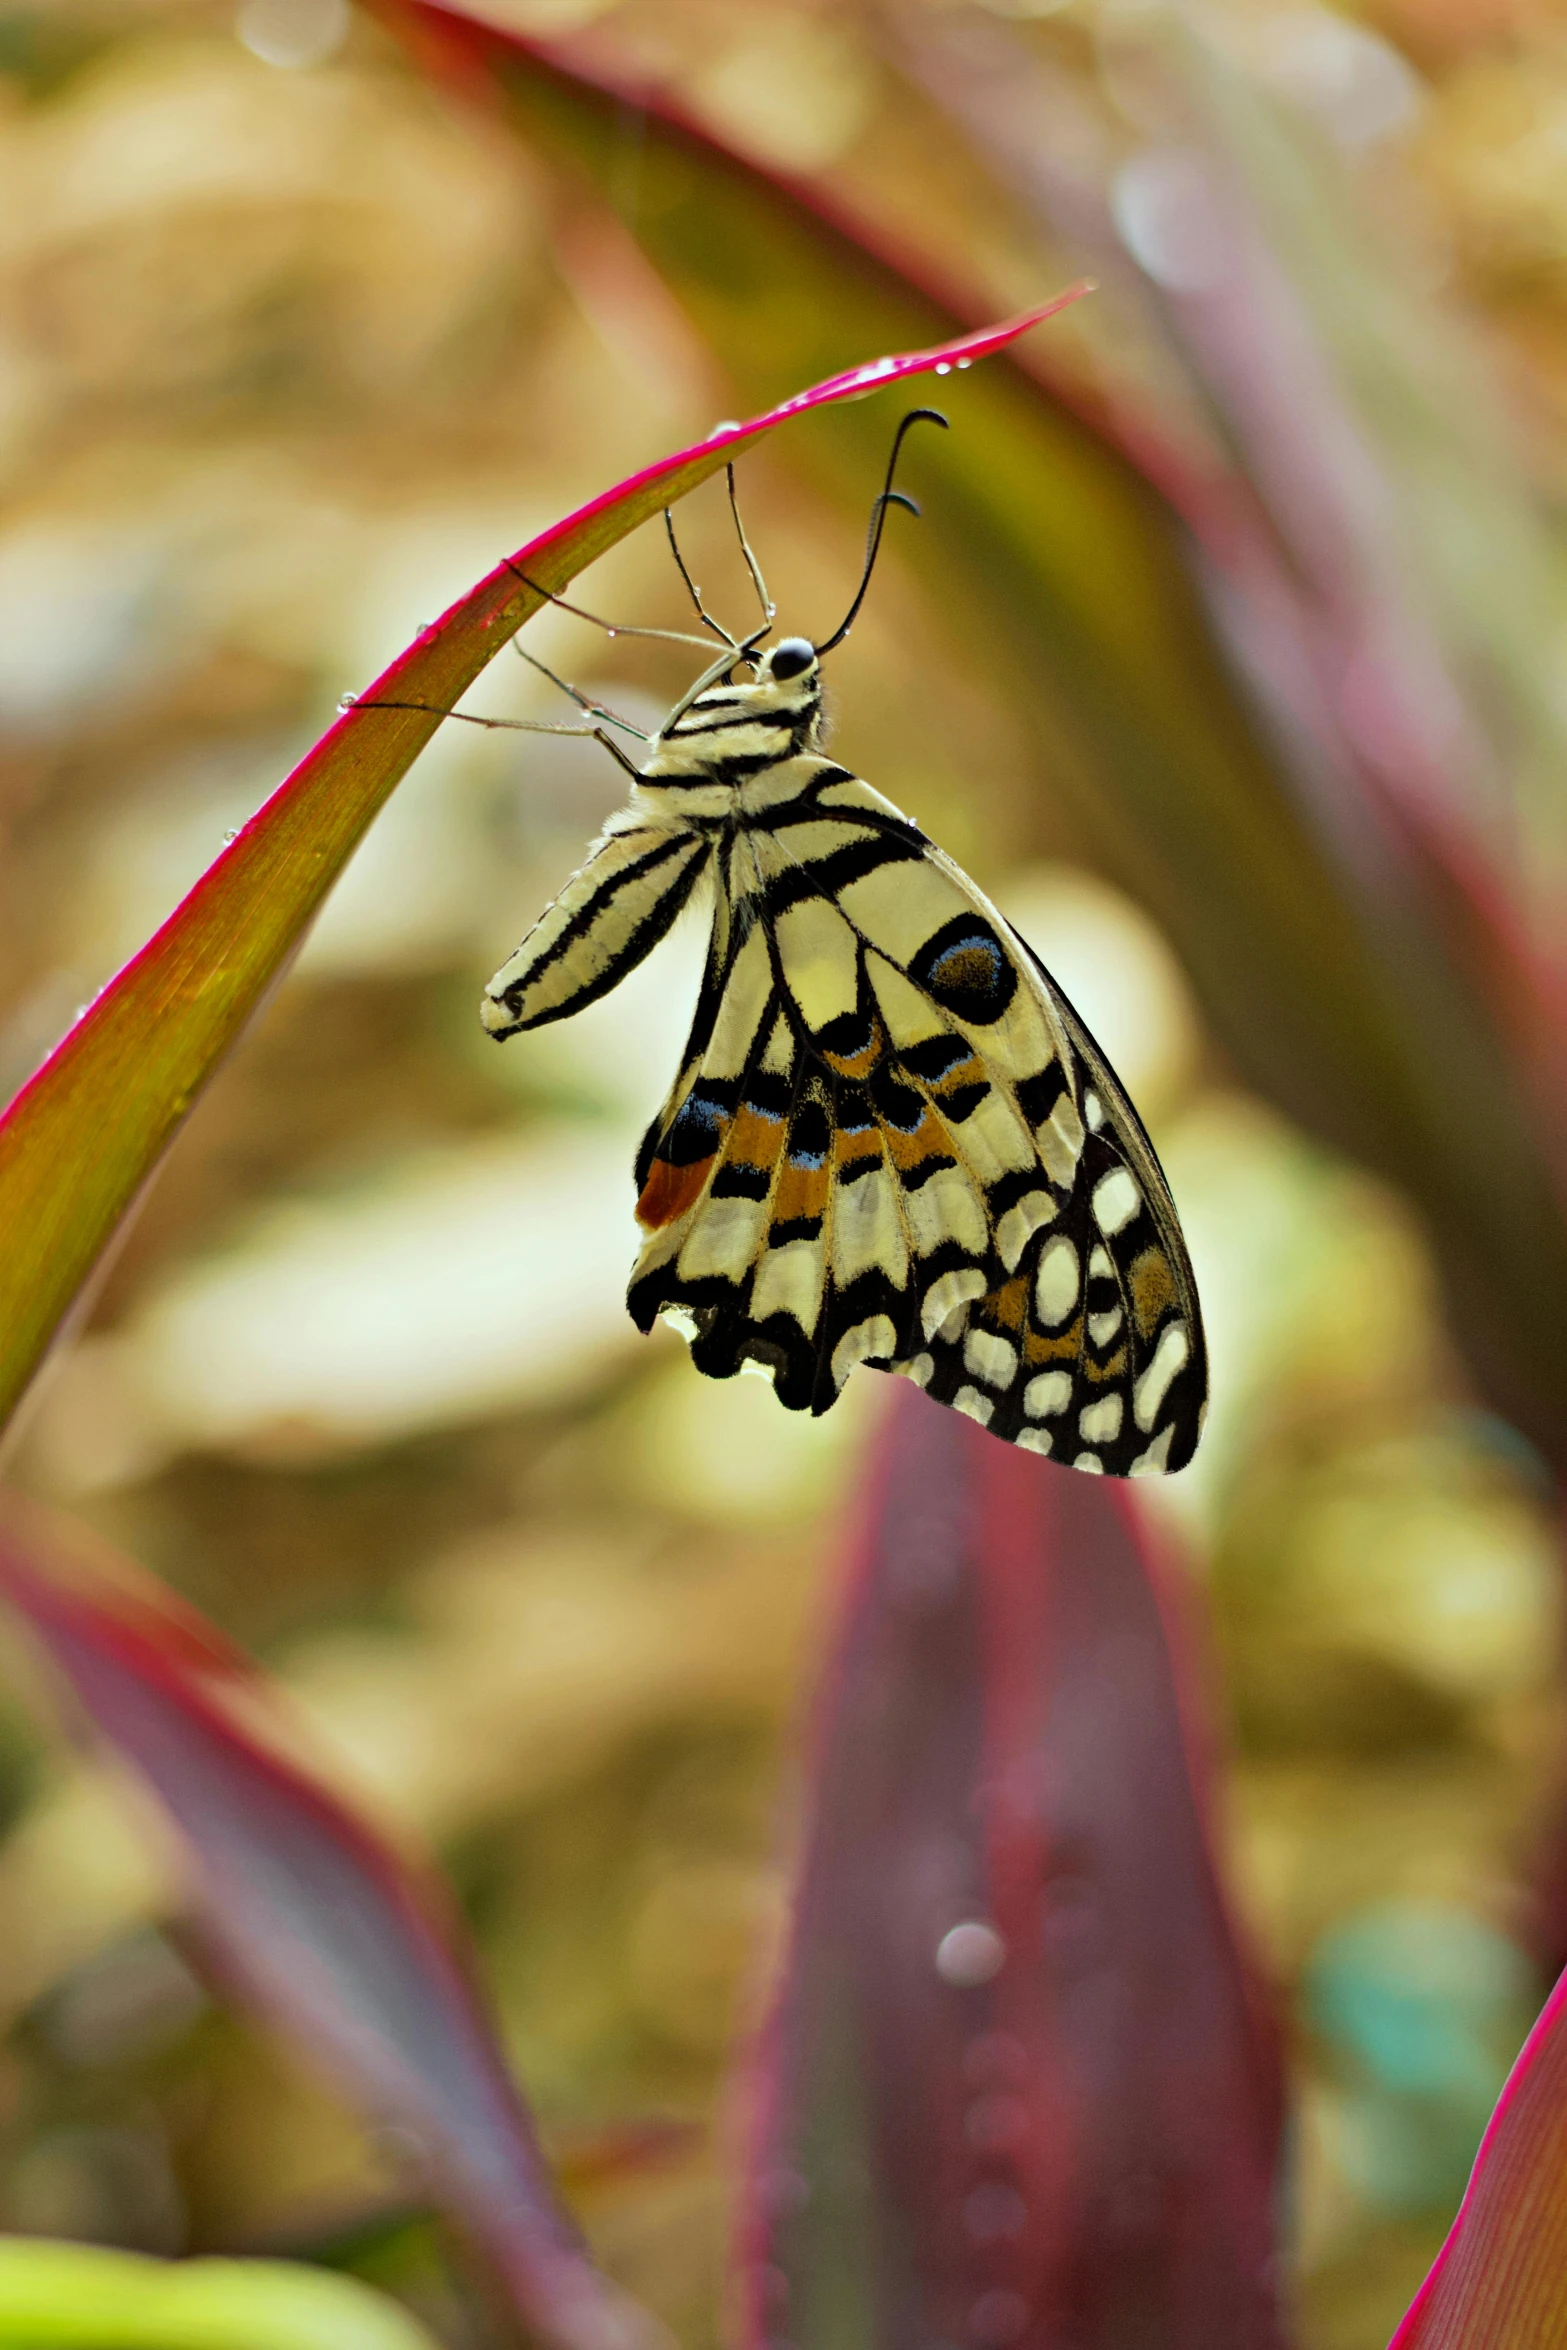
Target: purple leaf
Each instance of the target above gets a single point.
(311, 1916)
(1019, 2087)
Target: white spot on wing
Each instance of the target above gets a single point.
(1019, 1223)
(1051, 1392)
(1035, 1439)
(875, 1339)
(1152, 1388)
(1152, 1462)
(944, 1304)
(976, 1406)
(1055, 1283)
(1093, 1112)
(724, 1240)
(1060, 1140)
(920, 1370)
(1116, 1200)
(1103, 1327)
(788, 1280)
(1100, 1423)
(1091, 1462)
(990, 1358)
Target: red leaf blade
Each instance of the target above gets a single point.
(313, 1919)
(1501, 2276)
(1017, 2088)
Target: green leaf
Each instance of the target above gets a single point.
(88, 1130)
(80, 2297)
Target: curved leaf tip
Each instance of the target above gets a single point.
(86, 1132)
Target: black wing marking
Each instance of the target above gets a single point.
(893, 1141)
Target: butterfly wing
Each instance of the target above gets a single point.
(893, 1141)
(611, 913)
(1092, 1349)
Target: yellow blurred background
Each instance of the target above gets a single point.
(293, 344)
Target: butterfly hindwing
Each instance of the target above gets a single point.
(1090, 1348)
(892, 1141)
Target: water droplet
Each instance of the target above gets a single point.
(293, 33)
(724, 424)
(995, 2059)
(996, 2125)
(993, 2212)
(962, 363)
(228, 836)
(943, 367)
(772, 2286)
(970, 1954)
(782, 2192)
(997, 2318)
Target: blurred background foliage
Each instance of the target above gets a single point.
(1230, 661)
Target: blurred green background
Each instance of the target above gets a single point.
(294, 342)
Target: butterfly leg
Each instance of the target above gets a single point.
(599, 734)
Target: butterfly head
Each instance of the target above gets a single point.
(785, 683)
(795, 656)
(788, 684)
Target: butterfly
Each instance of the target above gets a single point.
(891, 1139)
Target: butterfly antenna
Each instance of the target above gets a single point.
(886, 496)
(751, 564)
(692, 590)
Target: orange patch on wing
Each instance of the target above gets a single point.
(858, 1065)
(857, 1150)
(754, 1139)
(1104, 1374)
(928, 1141)
(1153, 1288)
(969, 1072)
(801, 1192)
(1065, 1347)
(669, 1191)
(1007, 1307)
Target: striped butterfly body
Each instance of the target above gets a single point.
(891, 1140)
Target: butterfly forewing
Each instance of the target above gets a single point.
(611, 913)
(891, 1139)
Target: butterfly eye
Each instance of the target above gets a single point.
(795, 654)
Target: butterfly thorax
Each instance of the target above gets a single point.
(728, 737)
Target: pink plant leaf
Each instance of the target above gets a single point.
(1019, 2087)
(1500, 2279)
(88, 1129)
(311, 1917)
